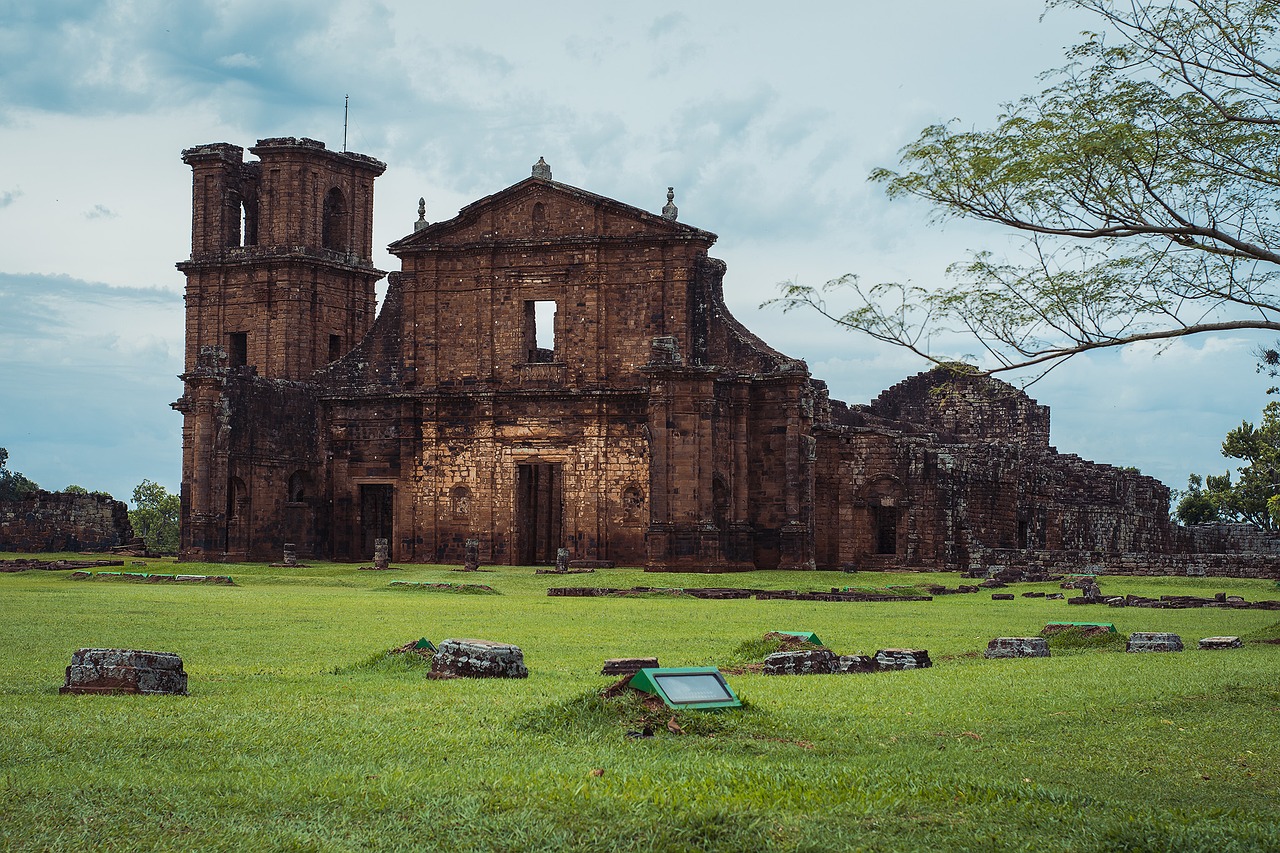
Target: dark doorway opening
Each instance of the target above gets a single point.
(538, 512)
(376, 506)
(884, 519)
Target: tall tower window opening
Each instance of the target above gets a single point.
(237, 349)
(334, 225)
(335, 347)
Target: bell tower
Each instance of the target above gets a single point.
(280, 282)
(281, 273)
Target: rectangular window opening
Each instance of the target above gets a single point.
(540, 344)
(335, 347)
(237, 349)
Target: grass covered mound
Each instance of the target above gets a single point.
(1077, 638)
(621, 711)
(402, 660)
(749, 656)
(1269, 634)
(456, 588)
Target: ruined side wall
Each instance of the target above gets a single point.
(53, 521)
(964, 408)
(1240, 565)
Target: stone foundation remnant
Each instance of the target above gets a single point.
(125, 671)
(1220, 643)
(1017, 647)
(628, 666)
(478, 659)
(1153, 641)
(1002, 596)
(471, 560)
(381, 554)
(802, 662)
(903, 659)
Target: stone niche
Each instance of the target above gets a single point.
(478, 659)
(125, 671)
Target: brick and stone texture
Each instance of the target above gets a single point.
(478, 659)
(55, 521)
(555, 369)
(125, 671)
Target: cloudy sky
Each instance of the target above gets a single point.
(766, 123)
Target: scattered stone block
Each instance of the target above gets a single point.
(471, 558)
(562, 559)
(902, 659)
(628, 666)
(1033, 595)
(478, 659)
(802, 662)
(856, 663)
(381, 554)
(125, 671)
(1002, 596)
(1220, 643)
(1017, 647)
(1153, 641)
(1054, 596)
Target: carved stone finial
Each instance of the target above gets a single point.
(669, 210)
(542, 170)
(422, 215)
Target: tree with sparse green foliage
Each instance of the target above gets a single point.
(1253, 496)
(1145, 177)
(12, 484)
(155, 516)
(75, 490)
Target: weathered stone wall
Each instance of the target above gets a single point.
(1237, 565)
(54, 521)
(943, 465)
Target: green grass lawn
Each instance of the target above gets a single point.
(295, 738)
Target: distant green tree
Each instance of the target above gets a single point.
(12, 484)
(75, 490)
(1251, 496)
(155, 516)
(1195, 506)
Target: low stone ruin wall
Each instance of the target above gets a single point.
(54, 521)
(1238, 565)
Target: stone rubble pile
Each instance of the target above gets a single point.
(478, 659)
(1017, 647)
(125, 671)
(902, 659)
(1153, 641)
(1220, 643)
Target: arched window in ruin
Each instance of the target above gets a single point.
(249, 222)
(539, 216)
(333, 230)
(299, 487)
(632, 503)
(460, 501)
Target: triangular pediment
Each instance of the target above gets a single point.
(539, 210)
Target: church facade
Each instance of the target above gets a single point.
(556, 369)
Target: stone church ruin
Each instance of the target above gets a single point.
(556, 369)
